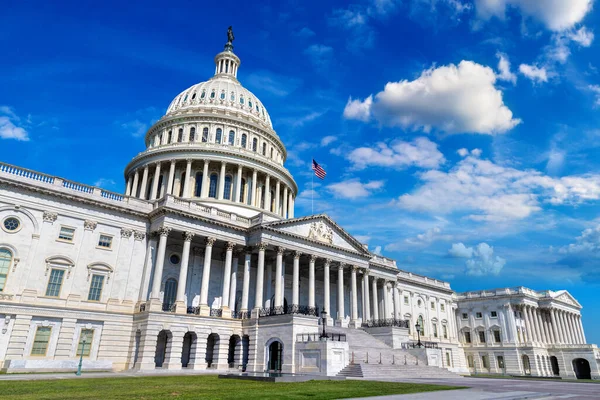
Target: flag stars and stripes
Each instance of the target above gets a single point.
(319, 171)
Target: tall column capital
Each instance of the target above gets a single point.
(297, 254)
(313, 258)
(280, 250)
(355, 268)
(164, 231)
(328, 262)
(366, 272)
(210, 241)
(262, 246)
(229, 246)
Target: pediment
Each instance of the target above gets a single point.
(320, 229)
(565, 297)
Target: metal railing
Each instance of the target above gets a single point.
(315, 337)
(142, 307)
(169, 307)
(424, 345)
(377, 323)
(216, 312)
(293, 309)
(240, 314)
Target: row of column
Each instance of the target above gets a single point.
(282, 193)
(552, 326)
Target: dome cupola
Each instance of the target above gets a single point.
(216, 146)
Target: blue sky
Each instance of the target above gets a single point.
(460, 137)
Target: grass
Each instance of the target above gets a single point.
(201, 387)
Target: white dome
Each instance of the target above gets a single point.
(221, 91)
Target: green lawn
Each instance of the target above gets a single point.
(200, 387)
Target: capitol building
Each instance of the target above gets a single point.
(202, 264)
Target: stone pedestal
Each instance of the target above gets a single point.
(325, 358)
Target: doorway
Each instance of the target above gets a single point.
(275, 356)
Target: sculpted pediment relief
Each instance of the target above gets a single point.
(565, 298)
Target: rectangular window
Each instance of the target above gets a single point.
(470, 361)
(105, 241)
(445, 331)
(481, 336)
(478, 315)
(494, 314)
(516, 314)
(442, 308)
(55, 282)
(435, 332)
(467, 337)
(500, 362)
(96, 288)
(66, 234)
(406, 300)
(497, 336)
(465, 316)
(85, 347)
(485, 362)
(6, 259)
(41, 340)
(432, 305)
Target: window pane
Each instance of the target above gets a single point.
(5, 261)
(40, 342)
(212, 188)
(55, 282)
(66, 234)
(105, 241)
(88, 335)
(218, 136)
(227, 190)
(96, 288)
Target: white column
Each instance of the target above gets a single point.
(238, 185)
(354, 310)
(561, 335)
(285, 201)
(253, 192)
(181, 306)
(386, 303)
(268, 193)
(296, 279)
(136, 178)
(269, 283)
(233, 282)
(171, 178)
(397, 305)
(580, 322)
(375, 300)
(260, 276)
(278, 269)
(246, 284)
(572, 327)
(277, 189)
(154, 192)
(291, 205)
(142, 194)
(538, 328)
(568, 327)
(205, 180)
(204, 308)
(160, 261)
(561, 325)
(326, 287)
(367, 313)
(128, 189)
(227, 276)
(528, 328)
(311, 281)
(340, 293)
(555, 327)
(186, 183)
(221, 190)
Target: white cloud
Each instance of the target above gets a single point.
(462, 152)
(377, 250)
(275, 84)
(358, 110)
(504, 68)
(298, 121)
(305, 32)
(319, 54)
(582, 36)
(484, 191)
(427, 237)
(327, 140)
(9, 125)
(596, 90)
(459, 250)
(556, 15)
(421, 152)
(137, 123)
(354, 188)
(534, 73)
(454, 98)
(588, 242)
(103, 182)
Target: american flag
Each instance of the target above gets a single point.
(319, 171)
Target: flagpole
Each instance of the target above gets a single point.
(312, 193)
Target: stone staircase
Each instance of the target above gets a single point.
(371, 358)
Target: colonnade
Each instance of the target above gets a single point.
(218, 180)
(551, 325)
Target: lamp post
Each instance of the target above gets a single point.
(418, 328)
(78, 373)
(324, 323)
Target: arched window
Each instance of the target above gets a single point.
(232, 96)
(212, 94)
(420, 321)
(271, 152)
(250, 104)
(231, 137)
(242, 99)
(244, 140)
(212, 189)
(182, 184)
(203, 95)
(262, 197)
(5, 261)
(254, 144)
(243, 190)
(193, 96)
(185, 98)
(170, 294)
(169, 136)
(192, 134)
(204, 135)
(264, 152)
(222, 95)
(198, 189)
(180, 135)
(218, 136)
(227, 190)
